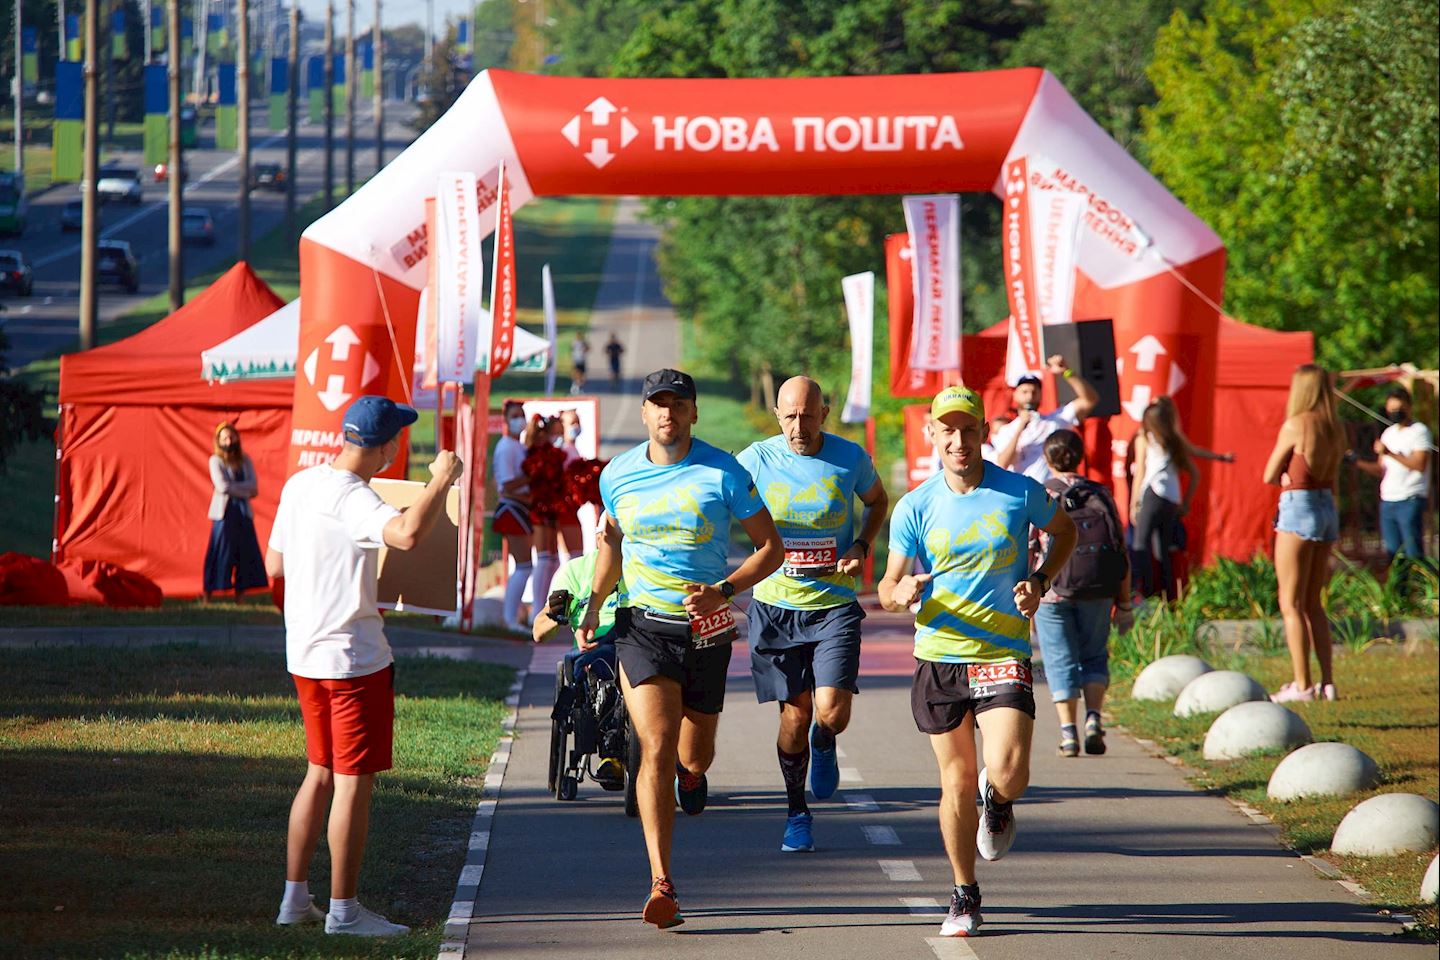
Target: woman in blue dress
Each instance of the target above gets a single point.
(233, 560)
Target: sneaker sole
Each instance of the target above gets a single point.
(789, 849)
(662, 912)
(961, 932)
(1095, 746)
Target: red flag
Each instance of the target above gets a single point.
(473, 421)
(905, 380)
(502, 284)
(1027, 349)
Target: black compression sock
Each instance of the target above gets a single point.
(793, 767)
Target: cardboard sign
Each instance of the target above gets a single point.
(420, 580)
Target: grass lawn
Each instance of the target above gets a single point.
(1389, 710)
(146, 794)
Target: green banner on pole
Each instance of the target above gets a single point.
(68, 153)
(157, 138)
(367, 84)
(317, 105)
(226, 118)
(277, 112)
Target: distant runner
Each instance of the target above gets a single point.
(968, 527)
(671, 500)
(805, 621)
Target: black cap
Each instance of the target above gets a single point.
(668, 381)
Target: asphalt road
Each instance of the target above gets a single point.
(46, 322)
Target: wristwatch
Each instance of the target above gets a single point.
(1044, 581)
(863, 544)
(726, 588)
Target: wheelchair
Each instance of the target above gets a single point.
(589, 723)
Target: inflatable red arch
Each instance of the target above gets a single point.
(1144, 260)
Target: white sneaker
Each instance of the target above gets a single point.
(310, 914)
(365, 924)
(996, 833)
(964, 917)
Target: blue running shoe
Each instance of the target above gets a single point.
(798, 838)
(691, 790)
(824, 771)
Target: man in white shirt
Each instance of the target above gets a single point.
(328, 531)
(1403, 465)
(1020, 446)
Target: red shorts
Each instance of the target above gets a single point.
(512, 519)
(350, 723)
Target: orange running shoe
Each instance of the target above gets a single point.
(662, 909)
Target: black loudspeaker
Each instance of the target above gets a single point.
(1089, 348)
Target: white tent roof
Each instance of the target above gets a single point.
(266, 350)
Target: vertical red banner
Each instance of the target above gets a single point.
(502, 286)
(905, 380)
(473, 518)
(1027, 347)
(920, 464)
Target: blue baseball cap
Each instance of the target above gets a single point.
(373, 421)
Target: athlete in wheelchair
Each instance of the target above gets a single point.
(590, 735)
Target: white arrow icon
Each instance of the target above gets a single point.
(599, 153)
(1146, 349)
(1177, 379)
(600, 110)
(341, 340)
(372, 370)
(627, 132)
(334, 395)
(1139, 400)
(571, 131)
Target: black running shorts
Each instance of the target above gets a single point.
(649, 646)
(941, 695)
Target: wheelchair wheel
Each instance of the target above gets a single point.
(557, 737)
(632, 770)
(568, 788)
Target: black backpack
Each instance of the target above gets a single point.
(1099, 563)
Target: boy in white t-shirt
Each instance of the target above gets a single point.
(325, 543)
(1403, 466)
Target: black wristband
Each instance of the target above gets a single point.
(1044, 581)
(863, 544)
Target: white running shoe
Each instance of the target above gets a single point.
(366, 924)
(310, 914)
(964, 917)
(996, 833)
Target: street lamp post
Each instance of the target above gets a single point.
(291, 95)
(175, 162)
(90, 216)
(242, 132)
(329, 104)
(350, 97)
(378, 45)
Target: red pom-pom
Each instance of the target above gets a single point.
(545, 470)
(582, 482)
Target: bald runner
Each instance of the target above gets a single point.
(805, 621)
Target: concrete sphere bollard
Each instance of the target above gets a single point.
(1217, 691)
(1322, 770)
(1254, 727)
(1388, 824)
(1430, 886)
(1165, 678)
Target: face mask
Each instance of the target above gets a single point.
(573, 433)
(517, 425)
(557, 441)
(1395, 416)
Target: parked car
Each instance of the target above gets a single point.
(15, 273)
(117, 262)
(72, 217)
(196, 224)
(268, 176)
(12, 203)
(120, 183)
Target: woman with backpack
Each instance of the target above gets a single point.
(1092, 591)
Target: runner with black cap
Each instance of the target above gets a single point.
(967, 530)
(670, 501)
(1020, 445)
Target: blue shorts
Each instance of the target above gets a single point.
(1309, 515)
(794, 651)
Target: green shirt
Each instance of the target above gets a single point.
(576, 575)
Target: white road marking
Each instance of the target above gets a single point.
(900, 871)
(470, 874)
(850, 775)
(882, 836)
(951, 948)
(861, 803)
(923, 906)
(480, 840)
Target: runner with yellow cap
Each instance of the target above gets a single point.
(958, 547)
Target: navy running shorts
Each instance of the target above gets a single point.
(941, 694)
(795, 651)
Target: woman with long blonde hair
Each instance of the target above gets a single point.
(1306, 463)
(232, 560)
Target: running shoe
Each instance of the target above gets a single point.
(663, 907)
(824, 771)
(691, 790)
(367, 923)
(1094, 736)
(1326, 692)
(798, 838)
(996, 833)
(1069, 747)
(1291, 693)
(964, 917)
(307, 914)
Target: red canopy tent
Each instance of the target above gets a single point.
(136, 431)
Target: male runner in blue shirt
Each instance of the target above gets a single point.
(969, 529)
(670, 502)
(804, 620)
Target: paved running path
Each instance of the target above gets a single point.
(1116, 856)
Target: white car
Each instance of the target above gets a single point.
(120, 183)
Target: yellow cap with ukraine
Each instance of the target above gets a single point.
(958, 399)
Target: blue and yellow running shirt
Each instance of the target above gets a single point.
(976, 547)
(676, 520)
(812, 500)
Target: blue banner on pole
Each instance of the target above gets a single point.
(279, 75)
(69, 90)
(72, 26)
(339, 69)
(227, 84)
(29, 40)
(117, 22)
(369, 61)
(156, 90)
(157, 17)
(315, 73)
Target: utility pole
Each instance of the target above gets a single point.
(175, 164)
(19, 85)
(109, 79)
(377, 43)
(429, 37)
(293, 71)
(329, 104)
(90, 216)
(145, 8)
(242, 131)
(350, 98)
